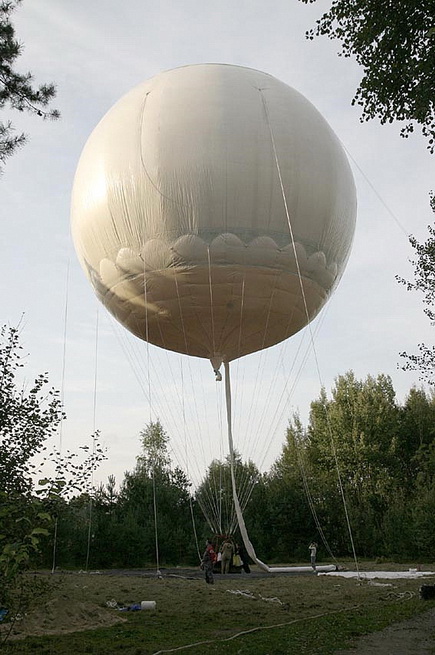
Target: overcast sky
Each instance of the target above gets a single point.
(97, 51)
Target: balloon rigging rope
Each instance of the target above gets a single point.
(309, 496)
(134, 362)
(94, 421)
(62, 399)
(279, 414)
(212, 504)
(220, 494)
(150, 397)
(243, 531)
(211, 299)
(287, 392)
(242, 305)
(245, 485)
(134, 356)
(256, 427)
(242, 526)
(237, 504)
(260, 429)
(65, 323)
(304, 475)
(269, 310)
(245, 491)
(183, 327)
(208, 504)
(285, 398)
(377, 194)
(332, 440)
(142, 161)
(236, 496)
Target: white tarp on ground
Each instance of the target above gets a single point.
(370, 575)
(300, 569)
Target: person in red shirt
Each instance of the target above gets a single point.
(208, 560)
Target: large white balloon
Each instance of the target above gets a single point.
(204, 201)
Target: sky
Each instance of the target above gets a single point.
(109, 380)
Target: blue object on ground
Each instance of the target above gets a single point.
(131, 608)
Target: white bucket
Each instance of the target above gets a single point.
(148, 605)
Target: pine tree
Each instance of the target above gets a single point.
(17, 91)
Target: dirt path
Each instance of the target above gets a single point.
(415, 636)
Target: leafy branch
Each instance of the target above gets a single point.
(395, 45)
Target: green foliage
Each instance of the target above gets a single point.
(424, 283)
(27, 417)
(16, 89)
(23, 525)
(215, 493)
(395, 45)
(290, 525)
(154, 458)
(379, 453)
(153, 497)
(359, 440)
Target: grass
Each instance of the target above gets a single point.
(310, 615)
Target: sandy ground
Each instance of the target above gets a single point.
(415, 636)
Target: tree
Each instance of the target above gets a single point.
(215, 493)
(395, 45)
(153, 508)
(381, 454)
(416, 434)
(352, 440)
(154, 459)
(290, 487)
(424, 282)
(17, 90)
(27, 417)
(394, 42)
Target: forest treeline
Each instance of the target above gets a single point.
(362, 453)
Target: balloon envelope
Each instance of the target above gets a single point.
(213, 211)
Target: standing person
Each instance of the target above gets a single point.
(313, 552)
(244, 557)
(208, 560)
(237, 560)
(227, 555)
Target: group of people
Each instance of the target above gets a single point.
(229, 553)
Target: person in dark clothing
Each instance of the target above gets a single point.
(208, 560)
(244, 558)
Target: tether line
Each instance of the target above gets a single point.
(286, 208)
